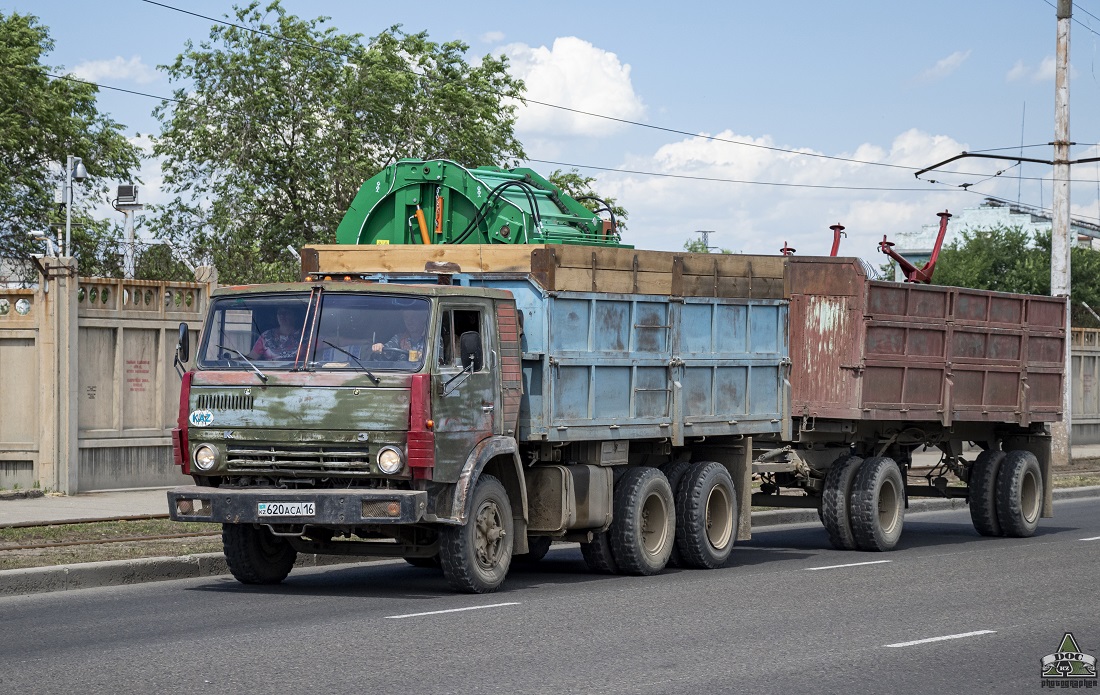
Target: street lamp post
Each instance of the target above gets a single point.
(74, 171)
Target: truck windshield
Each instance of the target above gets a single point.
(266, 330)
(355, 331)
(370, 331)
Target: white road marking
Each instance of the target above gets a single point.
(941, 639)
(452, 610)
(851, 564)
(1094, 538)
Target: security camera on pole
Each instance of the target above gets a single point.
(74, 171)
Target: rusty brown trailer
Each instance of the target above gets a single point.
(878, 351)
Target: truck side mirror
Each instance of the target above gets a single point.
(469, 347)
(183, 346)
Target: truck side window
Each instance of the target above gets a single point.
(455, 322)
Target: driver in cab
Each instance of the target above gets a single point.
(409, 344)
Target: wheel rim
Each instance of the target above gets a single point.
(888, 507)
(489, 535)
(654, 524)
(1029, 497)
(719, 517)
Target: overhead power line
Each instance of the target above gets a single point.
(724, 180)
(568, 109)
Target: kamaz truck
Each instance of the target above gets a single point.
(480, 368)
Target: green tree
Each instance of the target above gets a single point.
(579, 187)
(281, 121)
(700, 246)
(42, 120)
(1008, 259)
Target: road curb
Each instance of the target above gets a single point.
(90, 575)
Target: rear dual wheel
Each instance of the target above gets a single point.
(1006, 493)
(706, 515)
(863, 503)
(877, 510)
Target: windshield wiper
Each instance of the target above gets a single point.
(373, 378)
(256, 369)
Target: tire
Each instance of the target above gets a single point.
(425, 562)
(982, 484)
(836, 499)
(674, 471)
(597, 554)
(475, 556)
(644, 527)
(877, 509)
(255, 555)
(537, 547)
(1019, 494)
(706, 515)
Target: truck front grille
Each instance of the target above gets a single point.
(298, 460)
(223, 401)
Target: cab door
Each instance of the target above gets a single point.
(464, 400)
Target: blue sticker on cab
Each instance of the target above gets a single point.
(201, 418)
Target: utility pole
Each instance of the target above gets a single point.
(1060, 233)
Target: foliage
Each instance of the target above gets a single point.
(700, 246)
(43, 120)
(1007, 259)
(282, 119)
(573, 184)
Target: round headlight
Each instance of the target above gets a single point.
(390, 460)
(205, 457)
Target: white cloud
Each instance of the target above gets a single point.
(492, 37)
(1043, 72)
(945, 66)
(578, 75)
(753, 218)
(117, 68)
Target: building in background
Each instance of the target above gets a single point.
(992, 213)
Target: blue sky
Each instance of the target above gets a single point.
(906, 84)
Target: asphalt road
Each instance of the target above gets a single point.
(781, 617)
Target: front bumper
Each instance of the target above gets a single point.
(347, 507)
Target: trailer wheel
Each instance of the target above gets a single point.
(537, 547)
(877, 509)
(706, 515)
(982, 484)
(674, 471)
(476, 555)
(644, 528)
(255, 555)
(1019, 494)
(597, 554)
(836, 498)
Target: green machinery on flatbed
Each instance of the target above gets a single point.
(441, 202)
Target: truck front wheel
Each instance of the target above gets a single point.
(255, 555)
(476, 555)
(878, 504)
(644, 528)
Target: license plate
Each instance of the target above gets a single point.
(286, 509)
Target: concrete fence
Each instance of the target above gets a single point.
(88, 395)
(1086, 392)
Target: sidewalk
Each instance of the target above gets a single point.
(92, 505)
